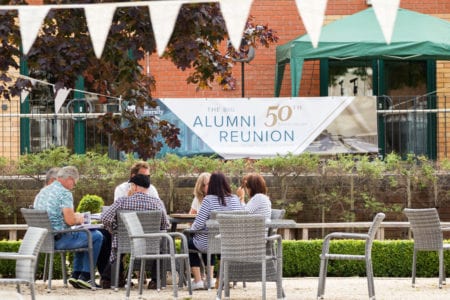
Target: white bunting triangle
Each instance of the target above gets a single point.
(312, 13)
(60, 97)
(30, 21)
(23, 95)
(163, 16)
(235, 13)
(99, 18)
(386, 13)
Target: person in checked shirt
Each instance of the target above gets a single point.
(137, 200)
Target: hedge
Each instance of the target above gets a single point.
(390, 258)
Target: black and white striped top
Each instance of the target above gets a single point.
(211, 203)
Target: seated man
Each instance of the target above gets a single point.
(137, 200)
(57, 199)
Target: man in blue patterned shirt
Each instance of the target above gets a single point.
(138, 200)
(57, 199)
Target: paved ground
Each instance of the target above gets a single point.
(295, 288)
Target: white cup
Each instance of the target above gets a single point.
(87, 217)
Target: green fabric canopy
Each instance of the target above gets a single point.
(415, 36)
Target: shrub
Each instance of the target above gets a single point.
(92, 203)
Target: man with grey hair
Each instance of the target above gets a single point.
(57, 199)
(51, 175)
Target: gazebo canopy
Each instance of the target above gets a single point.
(415, 36)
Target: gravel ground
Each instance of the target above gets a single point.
(295, 288)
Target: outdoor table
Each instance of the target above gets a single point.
(176, 219)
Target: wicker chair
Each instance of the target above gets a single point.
(26, 259)
(213, 242)
(146, 246)
(243, 241)
(428, 236)
(367, 256)
(39, 218)
(150, 221)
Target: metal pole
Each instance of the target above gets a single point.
(243, 80)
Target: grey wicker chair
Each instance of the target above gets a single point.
(243, 241)
(367, 256)
(39, 218)
(26, 259)
(213, 242)
(150, 221)
(146, 246)
(428, 236)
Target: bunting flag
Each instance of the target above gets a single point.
(60, 97)
(386, 13)
(235, 13)
(23, 95)
(99, 18)
(312, 13)
(163, 16)
(30, 20)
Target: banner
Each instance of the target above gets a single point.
(267, 127)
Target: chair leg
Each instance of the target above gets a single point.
(413, 276)
(441, 267)
(263, 279)
(225, 279)
(92, 268)
(369, 274)
(117, 271)
(322, 277)
(63, 268)
(141, 277)
(130, 270)
(174, 276)
(221, 271)
(50, 273)
(45, 275)
(32, 291)
(188, 275)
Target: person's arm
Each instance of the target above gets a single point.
(240, 192)
(194, 206)
(71, 218)
(203, 215)
(109, 216)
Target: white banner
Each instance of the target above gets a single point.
(255, 128)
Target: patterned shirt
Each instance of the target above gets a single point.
(138, 201)
(53, 198)
(209, 204)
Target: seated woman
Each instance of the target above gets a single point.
(259, 203)
(200, 191)
(218, 198)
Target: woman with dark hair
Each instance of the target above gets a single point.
(218, 198)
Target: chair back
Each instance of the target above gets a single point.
(242, 237)
(426, 228)
(31, 244)
(149, 220)
(134, 226)
(213, 242)
(379, 217)
(39, 218)
(277, 214)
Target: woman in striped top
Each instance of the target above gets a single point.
(218, 198)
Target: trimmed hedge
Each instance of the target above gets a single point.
(390, 258)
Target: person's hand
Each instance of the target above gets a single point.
(79, 218)
(240, 192)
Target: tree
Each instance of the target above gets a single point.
(64, 52)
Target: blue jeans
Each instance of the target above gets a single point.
(73, 240)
